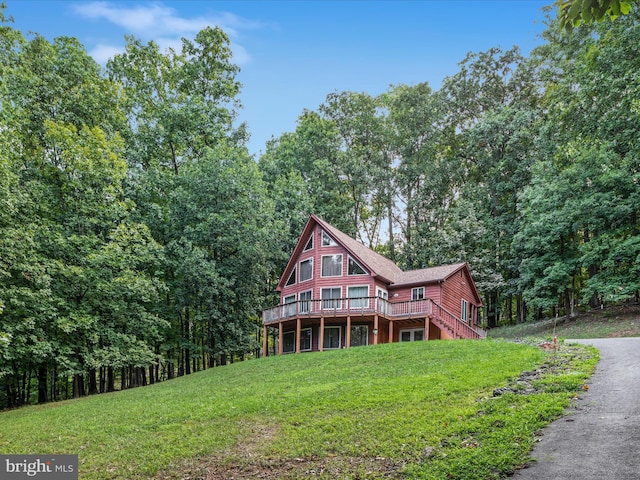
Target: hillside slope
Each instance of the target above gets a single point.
(416, 410)
(618, 321)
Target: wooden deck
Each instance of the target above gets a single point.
(372, 308)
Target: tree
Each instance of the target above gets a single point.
(572, 13)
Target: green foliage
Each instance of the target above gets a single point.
(572, 13)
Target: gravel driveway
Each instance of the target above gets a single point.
(600, 439)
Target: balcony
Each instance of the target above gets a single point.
(369, 307)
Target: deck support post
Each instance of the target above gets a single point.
(390, 331)
(348, 336)
(321, 335)
(426, 328)
(280, 338)
(298, 329)
(265, 341)
(375, 329)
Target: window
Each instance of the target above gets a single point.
(305, 304)
(306, 269)
(359, 296)
(289, 309)
(309, 245)
(327, 241)
(292, 278)
(331, 338)
(305, 340)
(359, 335)
(288, 342)
(331, 297)
(354, 268)
(412, 335)
(417, 293)
(464, 310)
(332, 265)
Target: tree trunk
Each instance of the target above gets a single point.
(42, 384)
(93, 382)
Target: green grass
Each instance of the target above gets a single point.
(412, 410)
(617, 321)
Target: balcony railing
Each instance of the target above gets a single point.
(341, 307)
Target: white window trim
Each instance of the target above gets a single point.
(310, 239)
(310, 259)
(464, 310)
(412, 330)
(322, 275)
(337, 300)
(349, 257)
(332, 242)
(326, 327)
(302, 301)
(287, 305)
(417, 289)
(366, 298)
(310, 340)
(294, 274)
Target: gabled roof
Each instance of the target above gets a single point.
(378, 265)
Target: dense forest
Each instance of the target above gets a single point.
(139, 239)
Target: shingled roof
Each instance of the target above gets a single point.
(427, 275)
(379, 265)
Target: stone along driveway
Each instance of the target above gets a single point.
(601, 438)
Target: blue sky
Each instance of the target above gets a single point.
(293, 53)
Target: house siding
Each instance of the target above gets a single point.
(318, 282)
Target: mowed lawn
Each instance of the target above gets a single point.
(408, 410)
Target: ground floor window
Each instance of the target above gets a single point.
(412, 335)
(288, 342)
(305, 340)
(359, 335)
(331, 338)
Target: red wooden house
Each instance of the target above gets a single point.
(336, 293)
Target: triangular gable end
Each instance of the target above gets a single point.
(375, 263)
(298, 249)
(467, 273)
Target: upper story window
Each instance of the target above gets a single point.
(354, 268)
(309, 245)
(332, 265)
(417, 293)
(306, 269)
(327, 241)
(292, 278)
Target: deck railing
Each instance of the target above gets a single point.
(370, 306)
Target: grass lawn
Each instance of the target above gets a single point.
(407, 410)
(616, 321)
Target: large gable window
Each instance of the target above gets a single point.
(332, 265)
(327, 241)
(354, 268)
(306, 269)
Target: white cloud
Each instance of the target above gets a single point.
(101, 52)
(164, 25)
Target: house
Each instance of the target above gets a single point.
(337, 293)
